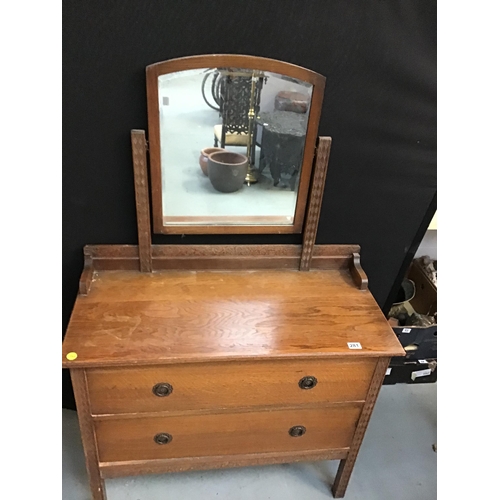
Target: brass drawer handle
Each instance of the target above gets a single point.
(162, 389)
(308, 382)
(297, 431)
(163, 438)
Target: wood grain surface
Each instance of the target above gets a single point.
(180, 316)
(159, 466)
(204, 257)
(228, 385)
(225, 434)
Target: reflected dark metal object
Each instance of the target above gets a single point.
(215, 89)
(238, 95)
(282, 145)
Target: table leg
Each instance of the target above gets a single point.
(347, 465)
(79, 380)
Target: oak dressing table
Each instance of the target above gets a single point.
(186, 357)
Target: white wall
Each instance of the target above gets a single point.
(428, 246)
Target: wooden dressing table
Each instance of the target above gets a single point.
(187, 357)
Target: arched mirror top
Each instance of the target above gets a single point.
(231, 141)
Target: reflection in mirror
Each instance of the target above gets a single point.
(232, 142)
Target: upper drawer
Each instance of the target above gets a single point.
(227, 385)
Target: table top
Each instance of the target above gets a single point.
(133, 318)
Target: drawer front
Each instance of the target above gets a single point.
(151, 438)
(227, 385)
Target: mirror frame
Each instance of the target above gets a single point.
(153, 71)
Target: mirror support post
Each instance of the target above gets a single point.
(139, 157)
(315, 198)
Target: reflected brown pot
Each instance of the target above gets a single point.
(227, 171)
(204, 158)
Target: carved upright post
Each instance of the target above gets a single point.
(142, 199)
(315, 199)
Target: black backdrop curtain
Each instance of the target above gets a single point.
(379, 58)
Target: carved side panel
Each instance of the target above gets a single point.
(358, 275)
(87, 274)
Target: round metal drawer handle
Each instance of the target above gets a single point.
(163, 438)
(162, 389)
(297, 431)
(308, 382)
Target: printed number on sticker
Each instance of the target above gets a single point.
(354, 345)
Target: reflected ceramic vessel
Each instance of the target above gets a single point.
(204, 158)
(227, 171)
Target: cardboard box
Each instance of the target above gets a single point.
(420, 342)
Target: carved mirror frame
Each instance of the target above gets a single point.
(237, 61)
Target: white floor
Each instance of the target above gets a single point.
(396, 462)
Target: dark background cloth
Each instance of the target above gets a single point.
(379, 59)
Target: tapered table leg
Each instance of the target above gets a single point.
(79, 380)
(347, 465)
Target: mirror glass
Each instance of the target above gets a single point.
(232, 142)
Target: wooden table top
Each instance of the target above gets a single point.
(133, 318)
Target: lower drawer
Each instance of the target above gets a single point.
(150, 438)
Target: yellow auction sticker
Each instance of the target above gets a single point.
(71, 356)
